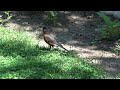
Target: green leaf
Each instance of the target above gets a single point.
(117, 24)
(53, 13)
(105, 18)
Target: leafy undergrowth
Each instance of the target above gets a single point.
(21, 58)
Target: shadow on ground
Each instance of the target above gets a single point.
(77, 29)
(75, 26)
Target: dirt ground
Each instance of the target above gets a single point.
(76, 31)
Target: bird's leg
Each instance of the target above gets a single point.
(50, 47)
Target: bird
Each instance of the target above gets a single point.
(50, 39)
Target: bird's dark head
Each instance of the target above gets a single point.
(45, 30)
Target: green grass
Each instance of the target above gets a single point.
(21, 58)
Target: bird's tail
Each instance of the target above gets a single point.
(63, 47)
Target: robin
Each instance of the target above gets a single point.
(50, 39)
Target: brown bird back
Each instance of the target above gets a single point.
(50, 39)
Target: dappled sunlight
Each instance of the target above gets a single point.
(72, 42)
(13, 25)
(6, 61)
(73, 17)
(76, 19)
(108, 60)
(76, 33)
(42, 43)
(20, 60)
(111, 69)
(60, 30)
(89, 52)
(64, 12)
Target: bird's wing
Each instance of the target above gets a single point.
(50, 40)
